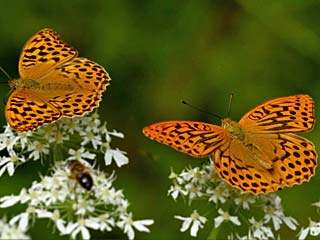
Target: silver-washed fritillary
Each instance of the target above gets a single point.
(258, 154)
(53, 83)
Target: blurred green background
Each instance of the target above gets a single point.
(159, 52)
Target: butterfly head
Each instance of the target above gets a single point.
(233, 128)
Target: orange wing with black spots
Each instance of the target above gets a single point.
(194, 138)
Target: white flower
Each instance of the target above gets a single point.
(194, 190)
(83, 206)
(176, 177)
(194, 175)
(117, 155)
(225, 216)
(259, 230)
(90, 137)
(175, 190)
(79, 227)
(313, 229)
(218, 194)
(55, 216)
(195, 219)
(127, 224)
(8, 139)
(37, 149)
(104, 221)
(81, 154)
(275, 213)
(245, 199)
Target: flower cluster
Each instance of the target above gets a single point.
(59, 197)
(262, 215)
(72, 208)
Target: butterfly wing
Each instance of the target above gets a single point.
(294, 160)
(194, 138)
(42, 53)
(281, 115)
(25, 110)
(76, 87)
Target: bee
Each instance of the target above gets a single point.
(81, 173)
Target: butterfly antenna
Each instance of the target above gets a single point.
(201, 110)
(5, 73)
(229, 105)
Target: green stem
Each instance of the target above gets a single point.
(213, 233)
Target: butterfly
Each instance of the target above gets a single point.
(53, 83)
(258, 154)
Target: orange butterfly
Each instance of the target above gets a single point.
(53, 83)
(258, 154)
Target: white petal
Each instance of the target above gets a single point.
(60, 226)
(70, 228)
(194, 229)
(303, 233)
(43, 213)
(9, 201)
(10, 168)
(108, 157)
(181, 218)
(92, 224)
(120, 158)
(85, 233)
(129, 230)
(186, 225)
(116, 134)
(290, 222)
(140, 225)
(235, 220)
(24, 220)
(276, 223)
(218, 221)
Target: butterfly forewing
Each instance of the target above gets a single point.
(194, 138)
(42, 53)
(281, 115)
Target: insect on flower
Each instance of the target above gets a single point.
(81, 173)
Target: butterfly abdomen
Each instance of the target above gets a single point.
(24, 84)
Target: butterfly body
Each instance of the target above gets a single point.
(54, 82)
(258, 154)
(235, 131)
